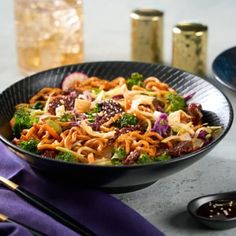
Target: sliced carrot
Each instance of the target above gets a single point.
(52, 132)
(30, 133)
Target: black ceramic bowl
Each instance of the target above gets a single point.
(217, 111)
(224, 68)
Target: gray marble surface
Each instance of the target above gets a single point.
(107, 37)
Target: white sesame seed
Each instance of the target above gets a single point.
(226, 212)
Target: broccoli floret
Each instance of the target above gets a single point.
(118, 156)
(144, 158)
(175, 102)
(30, 146)
(23, 120)
(125, 120)
(163, 157)
(135, 79)
(66, 156)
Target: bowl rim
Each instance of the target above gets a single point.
(161, 163)
(215, 73)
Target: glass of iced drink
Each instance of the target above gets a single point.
(49, 33)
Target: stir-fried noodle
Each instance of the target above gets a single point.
(124, 121)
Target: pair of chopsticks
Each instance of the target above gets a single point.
(4, 218)
(47, 208)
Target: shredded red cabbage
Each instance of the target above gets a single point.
(161, 125)
(189, 95)
(203, 135)
(118, 97)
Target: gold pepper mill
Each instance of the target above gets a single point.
(147, 35)
(189, 51)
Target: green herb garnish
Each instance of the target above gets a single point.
(174, 102)
(38, 106)
(66, 117)
(91, 115)
(135, 79)
(125, 120)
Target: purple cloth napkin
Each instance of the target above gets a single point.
(99, 211)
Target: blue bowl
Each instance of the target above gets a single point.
(224, 68)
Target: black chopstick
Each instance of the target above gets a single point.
(4, 218)
(48, 208)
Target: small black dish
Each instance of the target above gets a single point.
(217, 222)
(224, 68)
